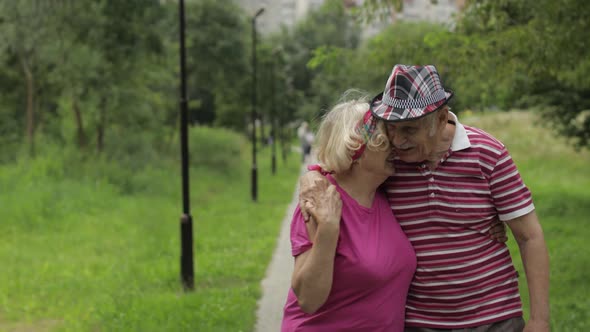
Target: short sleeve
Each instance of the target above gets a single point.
(300, 242)
(512, 198)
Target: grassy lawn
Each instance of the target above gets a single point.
(83, 255)
(81, 252)
(559, 179)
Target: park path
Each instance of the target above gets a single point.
(277, 282)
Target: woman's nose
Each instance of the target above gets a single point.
(396, 139)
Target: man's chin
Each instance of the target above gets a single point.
(410, 160)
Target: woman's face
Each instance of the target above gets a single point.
(378, 162)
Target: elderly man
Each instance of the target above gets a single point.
(451, 182)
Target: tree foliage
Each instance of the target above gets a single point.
(218, 64)
(497, 54)
(535, 54)
(332, 27)
(103, 76)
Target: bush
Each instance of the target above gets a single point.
(217, 149)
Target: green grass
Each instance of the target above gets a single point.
(81, 252)
(559, 179)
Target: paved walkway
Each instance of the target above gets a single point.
(275, 285)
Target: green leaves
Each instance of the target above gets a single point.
(92, 67)
(218, 66)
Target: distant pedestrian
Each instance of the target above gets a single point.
(306, 138)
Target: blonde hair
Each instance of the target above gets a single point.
(337, 138)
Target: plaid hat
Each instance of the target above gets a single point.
(410, 93)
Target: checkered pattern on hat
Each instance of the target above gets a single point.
(411, 92)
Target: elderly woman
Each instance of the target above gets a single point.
(353, 263)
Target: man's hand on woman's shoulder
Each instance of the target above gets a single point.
(311, 185)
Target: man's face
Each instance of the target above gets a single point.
(412, 140)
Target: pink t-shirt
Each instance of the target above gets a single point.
(373, 267)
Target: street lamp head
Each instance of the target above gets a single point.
(259, 12)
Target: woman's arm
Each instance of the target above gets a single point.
(313, 272)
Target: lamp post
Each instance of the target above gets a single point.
(254, 86)
(186, 220)
(273, 127)
(273, 112)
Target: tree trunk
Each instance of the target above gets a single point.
(30, 131)
(81, 134)
(101, 126)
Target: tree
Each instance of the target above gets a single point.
(87, 57)
(217, 65)
(330, 27)
(125, 45)
(24, 26)
(518, 54)
(538, 57)
(562, 71)
(12, 104)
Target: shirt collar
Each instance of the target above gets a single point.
(460, 140)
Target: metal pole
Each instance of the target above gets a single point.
(273, 130)
(282, 136)
(254, 86)
(186, 220)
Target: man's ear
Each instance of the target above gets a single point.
(443, 115)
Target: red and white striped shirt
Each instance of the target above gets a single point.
(463, 278)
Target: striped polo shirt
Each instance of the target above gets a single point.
(463, 278)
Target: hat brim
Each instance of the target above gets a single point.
(391, 114)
